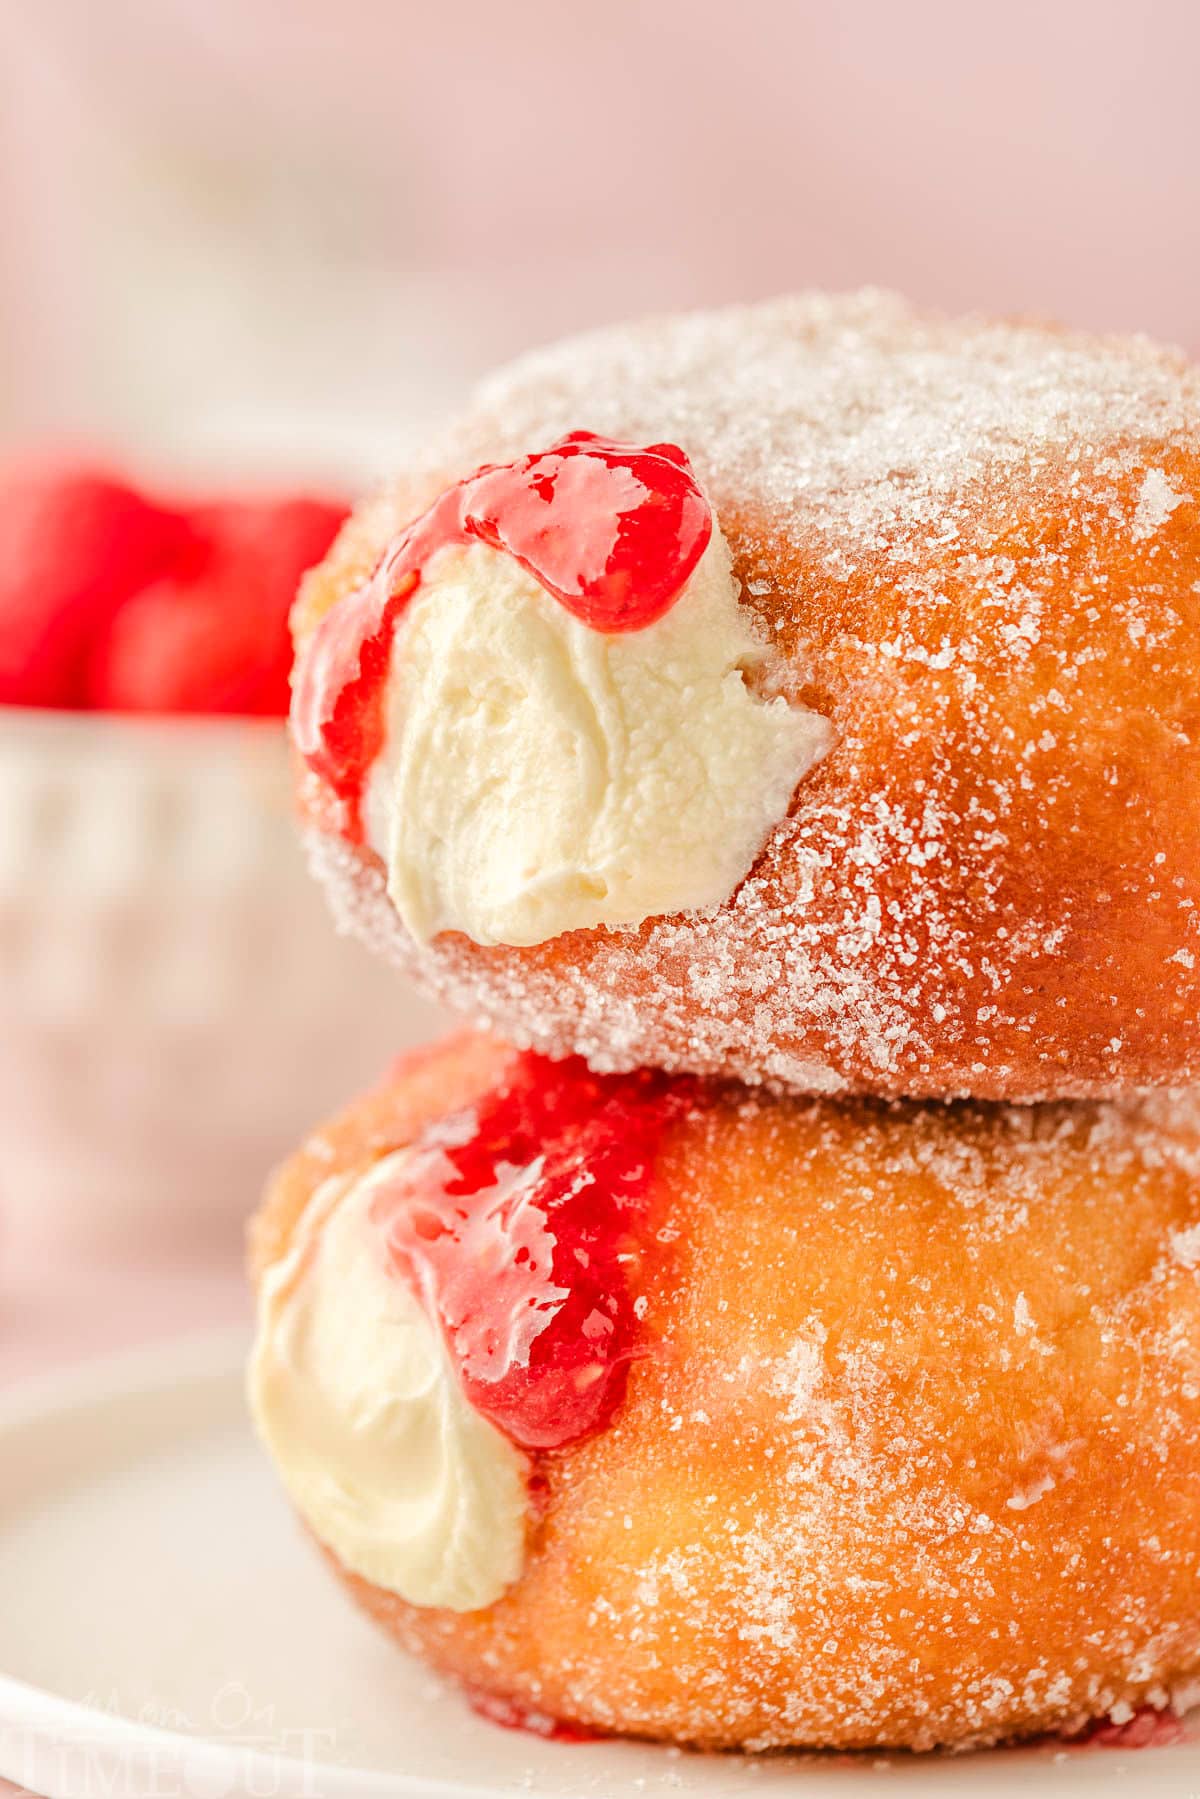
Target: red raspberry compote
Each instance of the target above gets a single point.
(517, 1225)
(611, 531)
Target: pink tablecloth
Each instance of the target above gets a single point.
(52, 1317)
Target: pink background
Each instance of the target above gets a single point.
(299, 230)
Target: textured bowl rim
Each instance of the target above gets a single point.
(78, 720)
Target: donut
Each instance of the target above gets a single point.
(665, 1406)
(800, 693)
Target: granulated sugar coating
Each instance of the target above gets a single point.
(976, 548)
(910, 1453)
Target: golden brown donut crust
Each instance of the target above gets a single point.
(914, 1457)
(990, 886)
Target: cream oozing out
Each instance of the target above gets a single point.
(540, 776)
(354, 1395)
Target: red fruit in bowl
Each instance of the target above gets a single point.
(211, 635)
(197, 640)
(280, 537)
(73, 545)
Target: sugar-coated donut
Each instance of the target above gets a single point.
(897, 1439)
(970, 554)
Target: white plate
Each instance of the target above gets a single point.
(165, 1630)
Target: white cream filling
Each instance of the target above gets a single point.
(539, 776)
(354, 1395)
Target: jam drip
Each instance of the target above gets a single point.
(517, 1224)
(512, 1716)
(611, 531)
(1149, 1728)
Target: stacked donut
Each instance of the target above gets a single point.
(778, 726)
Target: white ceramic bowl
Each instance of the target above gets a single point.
(176, 1010)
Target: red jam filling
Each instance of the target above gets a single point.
(1148, 1728)
(613, 532)
(517, 1223)
(511, 1716)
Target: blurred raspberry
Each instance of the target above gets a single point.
(211, 635)
(73, 545)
